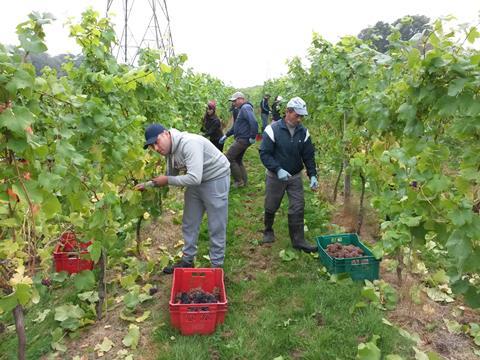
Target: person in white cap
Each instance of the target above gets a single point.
(244, 130)
(285, 149)
(265, 110)
(276, 108)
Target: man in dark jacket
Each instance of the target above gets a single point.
(285, 148)
(212, 126)
(264, 111)
(244, 130)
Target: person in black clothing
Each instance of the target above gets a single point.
(212, 126)
(264, 111)
(276, 108)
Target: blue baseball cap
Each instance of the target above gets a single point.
(151, 134)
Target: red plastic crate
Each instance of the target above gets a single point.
(197, 318)
(69, 241)
(69, 255)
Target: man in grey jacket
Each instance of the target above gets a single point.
(244, 130)
(207, 179)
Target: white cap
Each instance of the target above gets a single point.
(298, 105)
(236, 96)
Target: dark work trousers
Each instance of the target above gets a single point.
(264, 121)
(235, 156)
(275, 189)
(217, 144)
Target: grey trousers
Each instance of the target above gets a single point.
(264, 121)
(211, 197)
(235, 156)
(275, 189)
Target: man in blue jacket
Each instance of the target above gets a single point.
(265, 110)
(285, 148)
(244, 130)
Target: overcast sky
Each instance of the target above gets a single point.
(241, 42)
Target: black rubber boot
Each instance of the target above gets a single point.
(181, 264)
(268, 235)
(297, 235)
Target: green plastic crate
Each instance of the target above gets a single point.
(359, 268)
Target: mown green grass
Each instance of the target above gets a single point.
(287, 309)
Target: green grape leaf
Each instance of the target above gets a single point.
(8, 303)
(131, 300)
(460, 247)
(95, 250)
(51, 206)
(84, 280)
(23, 293)
(369, 350)
(287, 255)
(456, 86)
(16, 119)
(67, 311)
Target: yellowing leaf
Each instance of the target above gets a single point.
(19, 278)
(131, 339)
(104, 347)
(41, 316)
(144, 317)
(438, 296)
(178, 244)
(126, 317)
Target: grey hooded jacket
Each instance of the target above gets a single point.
(195, 154)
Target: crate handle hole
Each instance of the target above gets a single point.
(198, 274)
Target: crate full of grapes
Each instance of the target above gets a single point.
(345, 253)
(198, 301)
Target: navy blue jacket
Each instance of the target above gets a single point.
(245, 125)
(280, 150)
(264, 107)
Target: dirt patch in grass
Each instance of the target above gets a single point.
(214, 354)
(297, 354)
(165, 232)
(427, 320)
(319, 320)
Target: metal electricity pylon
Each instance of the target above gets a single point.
(144, 24)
